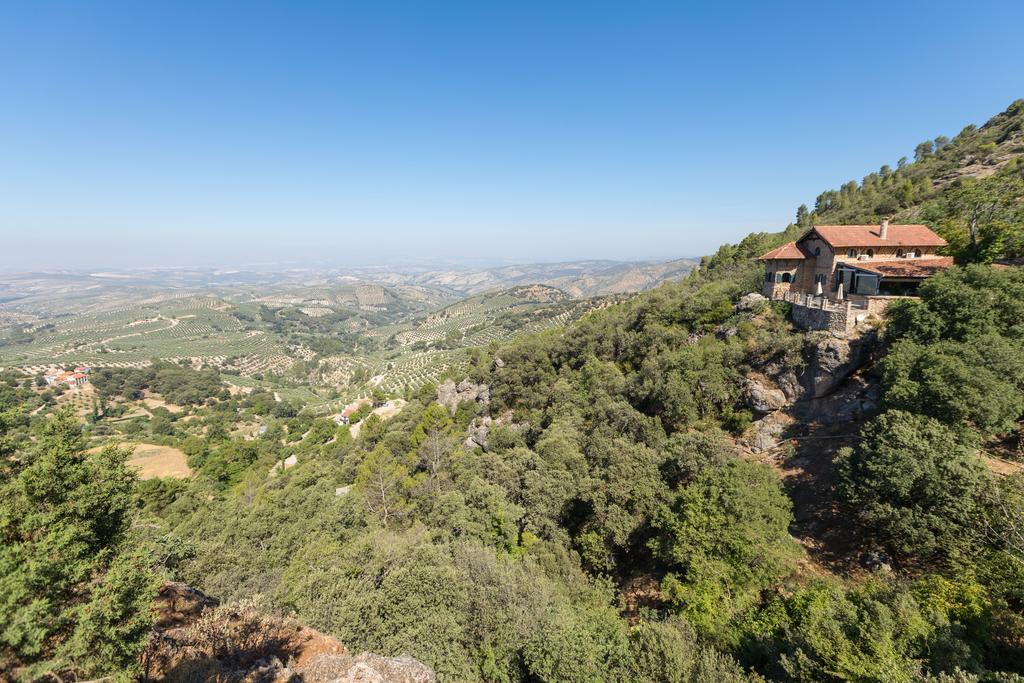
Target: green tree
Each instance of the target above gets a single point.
(870, 633)
(385, 484)
(74, 597)
(912, 485)
(725, 539)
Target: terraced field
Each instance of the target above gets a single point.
(201, 330)
(263, 341)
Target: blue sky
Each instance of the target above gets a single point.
(365, 133)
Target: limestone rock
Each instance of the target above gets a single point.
(366, 668)
(750, 302)
(856, 399)
(451, 395)
(833, 359)
(767, 432)
(763, 397)
(254, 647)
(480, 428)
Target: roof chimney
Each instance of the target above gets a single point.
(883, 231)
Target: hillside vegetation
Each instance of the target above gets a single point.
(580, 503)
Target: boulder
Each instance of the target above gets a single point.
(833, 359)
(366, 668)
(451, 395)
(750, 302)
(767, 432)
(194, 639)
(480, 428)
(763, 397)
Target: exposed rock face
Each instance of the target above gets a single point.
(768, 431)
(828, 362)
(835, 358)
(762, 397)
(196, 640)
(821, 391)
(750, 302)
(451, 395)
(855, 399)
(480, 428)
(367, 668)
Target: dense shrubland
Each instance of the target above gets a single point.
(610, 529)
(178, 384)
(612, 467)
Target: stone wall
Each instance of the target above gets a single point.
(811, 318)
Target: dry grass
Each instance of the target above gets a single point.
(154, 461)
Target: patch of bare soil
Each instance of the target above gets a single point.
(152, 400)
(385, 412)
(639, 593)
(153, 461)
(1001, 466)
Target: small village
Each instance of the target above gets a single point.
(72, 378)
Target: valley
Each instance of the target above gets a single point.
(329, 341)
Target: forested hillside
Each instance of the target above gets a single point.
(969, 188)
(583, 503)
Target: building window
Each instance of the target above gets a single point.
(820, 278)
(769, 276)
(915, 253)
(817, 251)
(786, 277)
(852, 253)
(870, 253)
(899, 253)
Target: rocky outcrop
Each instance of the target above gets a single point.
(857, 398)
(828, 361)
(823, 390)
(367, 668)
(751, 302)
(195, 639)
(480, 428)
(451, 395)
(833, 359)
(767, 433)
(762, 396)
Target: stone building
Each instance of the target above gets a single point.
(855, 261)
(846, 273)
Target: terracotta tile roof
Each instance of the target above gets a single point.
(787, 251)
(915, 268)
(842, 236)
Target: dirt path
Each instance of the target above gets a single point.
(1003, 468)
(386, 412)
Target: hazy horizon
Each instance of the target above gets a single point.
(153, 136)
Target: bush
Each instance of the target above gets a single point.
(912, 485)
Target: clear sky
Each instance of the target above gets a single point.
(209, 133)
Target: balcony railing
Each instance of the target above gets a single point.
(821, 301)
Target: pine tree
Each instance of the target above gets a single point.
(74, 596)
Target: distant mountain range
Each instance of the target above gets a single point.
(70, 292)
(575, 278)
